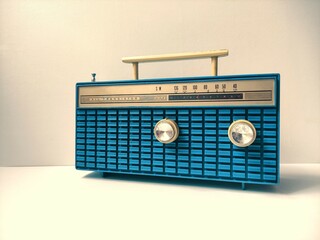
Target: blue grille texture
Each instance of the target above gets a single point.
(122, 141)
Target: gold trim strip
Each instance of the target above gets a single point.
(209, 93)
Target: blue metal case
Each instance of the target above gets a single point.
(121, 139)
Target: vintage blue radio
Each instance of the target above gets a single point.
(222, 128)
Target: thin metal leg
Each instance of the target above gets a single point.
(243, 186)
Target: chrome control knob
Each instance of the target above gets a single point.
(166, 131)
(242, 133)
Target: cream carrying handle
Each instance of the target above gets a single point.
(214, 54)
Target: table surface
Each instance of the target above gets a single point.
(63, 203)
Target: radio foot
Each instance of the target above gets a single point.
(243, 186)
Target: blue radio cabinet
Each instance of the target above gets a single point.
(118, 131)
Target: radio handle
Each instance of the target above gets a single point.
(214, 54)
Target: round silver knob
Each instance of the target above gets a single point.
(242, 133)
(166, 131)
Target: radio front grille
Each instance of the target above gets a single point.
(122, 140)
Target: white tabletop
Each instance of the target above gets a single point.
(63, 203)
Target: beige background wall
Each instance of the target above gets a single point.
(47, 46)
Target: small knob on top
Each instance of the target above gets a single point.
(93, 77)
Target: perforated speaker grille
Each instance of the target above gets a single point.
(122, 141)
